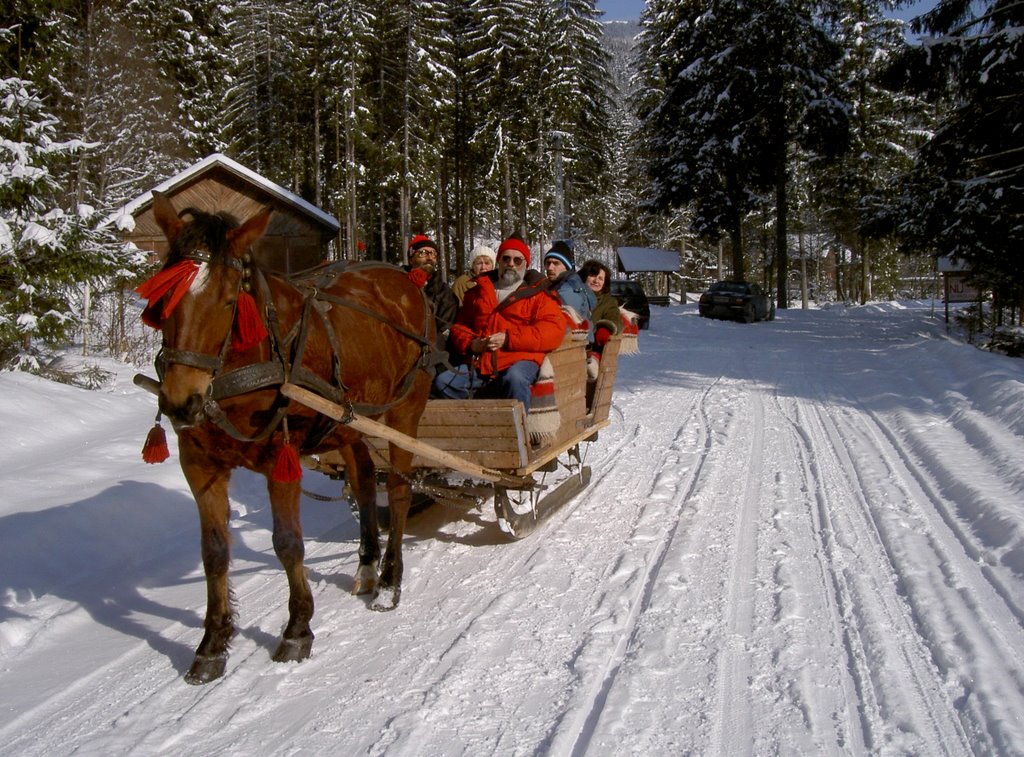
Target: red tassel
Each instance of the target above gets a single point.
(249, 329)
(155, 449)
(287, 468)
(176, 279)
(418, 277)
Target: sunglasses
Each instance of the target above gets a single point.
(426, 252)
(510, 260)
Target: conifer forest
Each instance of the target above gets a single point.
(744, 133)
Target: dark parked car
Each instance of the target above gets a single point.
(632, 297)
(736, 299)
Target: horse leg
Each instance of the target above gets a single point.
(210, 489)
(297, 639)
(405, 418)
(389, 590)
(362, 479)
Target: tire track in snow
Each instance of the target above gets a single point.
(468, 638)
(953, 594)
(821, 603)
(575, 731)
(733, 708)
(261, 597)
(896, 681)
(927, 466)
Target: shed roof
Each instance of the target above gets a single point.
(296, 238)
(220, 161)
(948, 264)
(641, 259)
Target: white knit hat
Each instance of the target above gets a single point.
(483, 251)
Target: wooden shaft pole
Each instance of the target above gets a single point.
(380, 430)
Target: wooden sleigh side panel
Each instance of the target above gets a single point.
(493, 432)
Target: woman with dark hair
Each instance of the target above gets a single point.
(598, 277)
(609, 319)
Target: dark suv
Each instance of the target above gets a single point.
(740, 300)
(632, 297)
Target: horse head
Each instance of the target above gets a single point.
(196, 300)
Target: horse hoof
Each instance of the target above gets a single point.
(366, 580)
(294, 650)
(206, 668)
(386, 599)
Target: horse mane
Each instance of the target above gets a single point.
(207, 231)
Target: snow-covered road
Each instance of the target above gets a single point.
(801, 537)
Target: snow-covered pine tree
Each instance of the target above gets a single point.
(347, 44)
(743, 82)
(693, 112)
(261, 113)
(47, 253)
(964, 196)
(109, 92)
(190, 46)
(581, 106)
(458, 47)
(848, 196)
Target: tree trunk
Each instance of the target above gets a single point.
(803, 274)
(739, 270)
(317, 183)
(509, 214)
(405, 199)
(352, 243)
(865, 272)
(781, 224)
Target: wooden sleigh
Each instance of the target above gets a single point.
(469, 450)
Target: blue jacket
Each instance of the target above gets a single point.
(573, 292)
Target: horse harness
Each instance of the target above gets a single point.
(282, 368)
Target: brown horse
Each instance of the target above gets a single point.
(232, 334)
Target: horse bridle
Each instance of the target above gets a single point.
(199, 360)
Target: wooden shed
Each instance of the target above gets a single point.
(296, 238)
(660, 263)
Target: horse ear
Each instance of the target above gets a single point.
(243, 237)
(166, 217)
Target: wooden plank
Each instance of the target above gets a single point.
(602, 402)
(504, 432)
(373, 428)
(456, 444)
(540, 457)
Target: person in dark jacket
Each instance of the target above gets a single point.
(422, 255)
(608, 318)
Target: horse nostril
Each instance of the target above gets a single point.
(194, 407)
(183, 416)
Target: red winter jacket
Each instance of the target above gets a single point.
(530, 317)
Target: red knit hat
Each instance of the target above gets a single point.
(419, 241)
(517, 244)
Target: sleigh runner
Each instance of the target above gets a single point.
(466, 451)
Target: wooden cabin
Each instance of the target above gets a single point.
(296, 238)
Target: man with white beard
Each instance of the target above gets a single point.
(505, 327)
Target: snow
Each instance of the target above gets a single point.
(801, 537)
